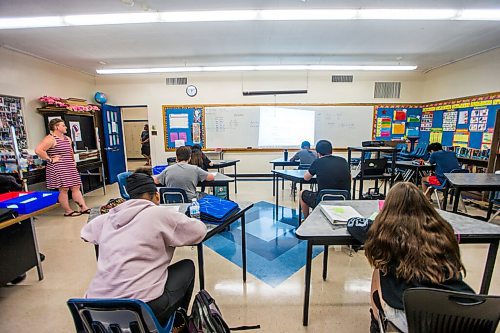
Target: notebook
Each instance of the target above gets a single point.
(338, 214)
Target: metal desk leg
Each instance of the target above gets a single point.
(490, 205)
(276, 188)
(244, 248)
(300, 206)
(446, 191)
(488, 269)
(305, 315)
(274, 180)
(227, 189)
(201, 271)
(325, 262)
(235, 180)
(457, 197)
(283, 180)
(353, 189)
(38, 261)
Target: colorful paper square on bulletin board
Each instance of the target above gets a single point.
(400, 115)
(398, 129)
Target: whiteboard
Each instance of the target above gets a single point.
(238, 126)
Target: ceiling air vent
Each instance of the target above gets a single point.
(387, 89)
(342, 78)
(177, 81)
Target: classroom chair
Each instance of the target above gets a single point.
(495, 201)
(302, 166)
(170, 195)
(441, 311)
(115, 315)
(443, 186)
(420, 151)
(122, 182)
(384, 324)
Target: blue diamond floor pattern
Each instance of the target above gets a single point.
(274, 253)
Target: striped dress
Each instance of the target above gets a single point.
(64, 172)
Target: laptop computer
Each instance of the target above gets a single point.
(374, 167)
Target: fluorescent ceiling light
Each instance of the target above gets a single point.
(250, 15)
(480, 14)
(407, 14)
(31, 22)
(104, 19)
(254, 68)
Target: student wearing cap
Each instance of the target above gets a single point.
(305, 155)
(182, 174)
(137, 240)
(332, 172)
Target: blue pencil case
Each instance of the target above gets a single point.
(216, 210)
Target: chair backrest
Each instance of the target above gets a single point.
(327, 194)
(170, 195)
(122, 182)
(441, 311)
(115, 315)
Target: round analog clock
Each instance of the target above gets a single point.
(191, 91)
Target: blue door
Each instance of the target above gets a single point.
(113, 139)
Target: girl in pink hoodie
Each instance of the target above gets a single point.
(137, 240)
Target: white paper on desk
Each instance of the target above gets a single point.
(175, 208)
(213, 173)
(338, 214)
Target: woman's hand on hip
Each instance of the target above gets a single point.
(56, 158)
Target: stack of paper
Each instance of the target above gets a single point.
(338, 214)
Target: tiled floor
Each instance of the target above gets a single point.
(339, 304)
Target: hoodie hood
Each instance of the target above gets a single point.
(122, 214)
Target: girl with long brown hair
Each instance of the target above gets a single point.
(411, 245)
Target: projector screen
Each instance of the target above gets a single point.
(284, 127)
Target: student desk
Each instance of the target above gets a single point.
(19, 247)
(471, 182)
(212, 229)
(220, 180)
(221, 164)
(282, 163)
(413, 170)
(295, 176)
(317, 230)
(361, 174)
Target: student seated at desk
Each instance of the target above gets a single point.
(137, 240)
(409, 245)
(305, 155)
(182, 174)
(332, 172)
(445, 161)
(199, 159)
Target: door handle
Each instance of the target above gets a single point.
(107, 148)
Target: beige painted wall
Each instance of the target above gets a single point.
(30, 78)
(473, 76)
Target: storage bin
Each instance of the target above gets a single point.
(12, 195)
(158, 169)
(30, 202)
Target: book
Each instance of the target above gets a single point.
(338, 214)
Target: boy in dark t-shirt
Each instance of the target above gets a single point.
(445, 161)
(332, 172)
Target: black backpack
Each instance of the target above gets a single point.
(207, 318)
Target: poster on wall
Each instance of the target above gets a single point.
(400, 115)
(426, 123)
(478, 119)
(487, 139)
(436, 135)
(450, 121)
(398, 129)
(461, 138)
(463, 117)
(383, 127)
(76, 132)
(196, 133)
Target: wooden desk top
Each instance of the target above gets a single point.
(23, 217)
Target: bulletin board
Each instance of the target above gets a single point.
(11, 115)
(394, 122)
(183, 125)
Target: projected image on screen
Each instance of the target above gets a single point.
(282, 127)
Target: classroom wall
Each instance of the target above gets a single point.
(28, 77)
(226, 88)
(474, 76)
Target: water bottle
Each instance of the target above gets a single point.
(194, 209)
(285, 155)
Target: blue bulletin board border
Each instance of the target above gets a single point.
(490, 102)
(194, 133)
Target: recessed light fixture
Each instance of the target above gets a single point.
(251, 15)
(102, 62)
(254, 68)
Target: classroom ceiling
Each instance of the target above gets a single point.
(427, 44)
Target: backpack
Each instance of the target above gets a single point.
(207, 318)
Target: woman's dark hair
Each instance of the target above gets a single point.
(196, 158)
(324, 147)
(410, 236)
(305, 145)
(145, 170)
(436, 146)
(183, 153)
(53, 123)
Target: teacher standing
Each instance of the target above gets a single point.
(61, 171)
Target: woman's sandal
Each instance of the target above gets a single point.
(87, 211)
(73, 214)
